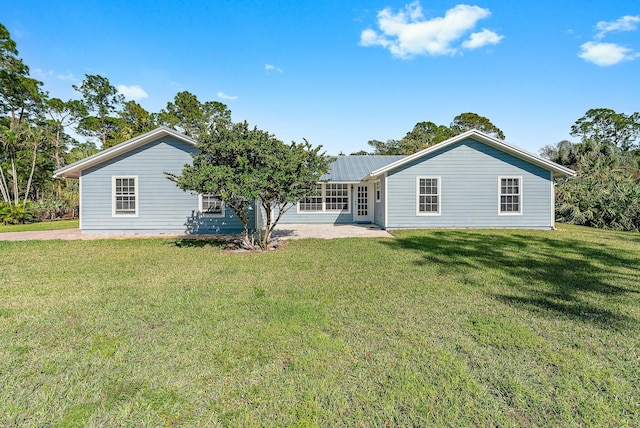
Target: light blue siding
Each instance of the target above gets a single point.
(378, 207)
(162, 206)
(469, 172)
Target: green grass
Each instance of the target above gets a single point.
(44, 225)
(431, 328)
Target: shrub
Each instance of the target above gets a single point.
(48, 209)
(12, 214)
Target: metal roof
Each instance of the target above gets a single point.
(356, 167)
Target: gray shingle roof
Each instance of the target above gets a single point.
(355, 168)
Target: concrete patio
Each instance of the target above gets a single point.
(284, 232)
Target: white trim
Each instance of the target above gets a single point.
(323, 196)
(385, 200)
(80, 209)
(553, 203)
(113, 196)
(377, 190)
(73, 170)
(208, 214)
(439, 195)
(558, 170)
(520, 194)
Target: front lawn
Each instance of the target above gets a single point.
(431, 328)
(43, 225)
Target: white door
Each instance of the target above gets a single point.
(364, 207)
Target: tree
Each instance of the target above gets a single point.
(62, 114)
(601, 195)
(102, 99)
(391, 147)
(423, 135)
(20, 95)
(241, 165)
(603, 125)
(19, 146)
(605, 191)
(135, 120)
(191, 117)
(564, 153)
(427, 134)
(467, 121)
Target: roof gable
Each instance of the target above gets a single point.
(73, 170)
(558, 170)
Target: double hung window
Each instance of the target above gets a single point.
(125, 196)
(428, 191)
(510, 195)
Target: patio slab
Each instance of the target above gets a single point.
(283, 231)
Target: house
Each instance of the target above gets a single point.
(471, 180)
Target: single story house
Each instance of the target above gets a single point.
(471, 180)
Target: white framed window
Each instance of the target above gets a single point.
(312, 203)
(124, 194)
(328, 198)
(211, 206)
(428, 196)
(509, 195)
(378, 191)
(336, 197)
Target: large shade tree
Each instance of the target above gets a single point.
(102, 100)
(468, 121)
(240, 165)
(191, 117)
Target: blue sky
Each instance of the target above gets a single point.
(342, 73)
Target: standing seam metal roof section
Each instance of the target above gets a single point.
(356, 167)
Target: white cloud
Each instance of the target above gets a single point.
(69, 77)
(407, 33)
(41, 74)
(483, 38)
(134, 92)
(224, 96)
(605, 54)
(272, 68)
(626, 23)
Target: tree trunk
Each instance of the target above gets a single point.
(4, 187)
(16, 196)
(33, 168)
(267, 227)
(57, 155)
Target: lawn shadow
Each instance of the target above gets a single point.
(543, 271)
(201, 242)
